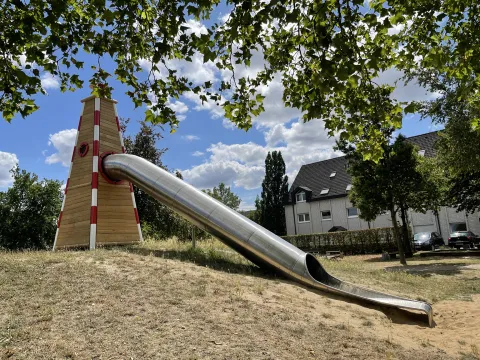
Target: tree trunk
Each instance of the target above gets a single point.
(405, 233)
(401, 252)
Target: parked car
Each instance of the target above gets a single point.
(465, 239)
(427, 240)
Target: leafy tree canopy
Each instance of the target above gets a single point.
(223, 194)
(29, 211)
(456, 166)
(395, 184)
(158, 220)
(326, 53)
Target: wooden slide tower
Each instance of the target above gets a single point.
(95, 210)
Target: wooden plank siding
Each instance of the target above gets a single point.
(74, 227)
(116, 223)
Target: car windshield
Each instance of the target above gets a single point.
(421, 236)
(460, 233)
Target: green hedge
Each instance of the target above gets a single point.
(349, 242)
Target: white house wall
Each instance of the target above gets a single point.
(303, 228)
(473, 223)
(338, 209)
(289, 219)
(382, 221)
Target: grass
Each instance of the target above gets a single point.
(209, 253)
(431, 286)
(167, 300)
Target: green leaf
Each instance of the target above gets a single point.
(410, 108)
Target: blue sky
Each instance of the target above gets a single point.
(206, 148)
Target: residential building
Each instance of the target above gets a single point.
(318, 201)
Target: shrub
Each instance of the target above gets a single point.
(29, 211)
(349, 242)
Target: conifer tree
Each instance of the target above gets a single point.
(274, 193)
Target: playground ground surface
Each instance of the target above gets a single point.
(167, 300)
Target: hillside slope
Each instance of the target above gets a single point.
(127, 304)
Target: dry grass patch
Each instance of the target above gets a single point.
(168, 301)
(430, 280)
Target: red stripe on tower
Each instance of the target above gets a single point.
(96, 150)
(68, 179)
(96, 147)
(136, 215)
(95, 180)
(93, 215)
(66, 186)
(96, 116)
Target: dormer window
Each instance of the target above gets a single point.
(421, 152)
(332, 175)
(301, 197)
(324, 191)
(349, 187)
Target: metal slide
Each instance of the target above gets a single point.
(243, 235)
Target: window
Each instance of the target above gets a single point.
(324, 191)
(458, 227)
(333, 174)
(303, 218)
(301, 197)
(421, 152)
(422, 236)
(326, 215)
(349, 187)
(352, 212)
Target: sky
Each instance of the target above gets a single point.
(206, 148)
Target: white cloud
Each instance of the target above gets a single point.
(404, 92)
(224, 18)
(50, 81)
(196, 70)
(242, 165)
(245, 206)
(215, 110)
(196, 27)
(275, 110)
(198, 153)
(178, 106)
(7, 162)
(190, 137)
(210, 174)
(63, 142)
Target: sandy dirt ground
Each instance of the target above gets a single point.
(122, 305)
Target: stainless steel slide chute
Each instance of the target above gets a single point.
(243, 235)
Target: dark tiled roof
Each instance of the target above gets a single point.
(425, 142)
(316, 176)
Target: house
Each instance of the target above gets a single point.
(318, 201)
